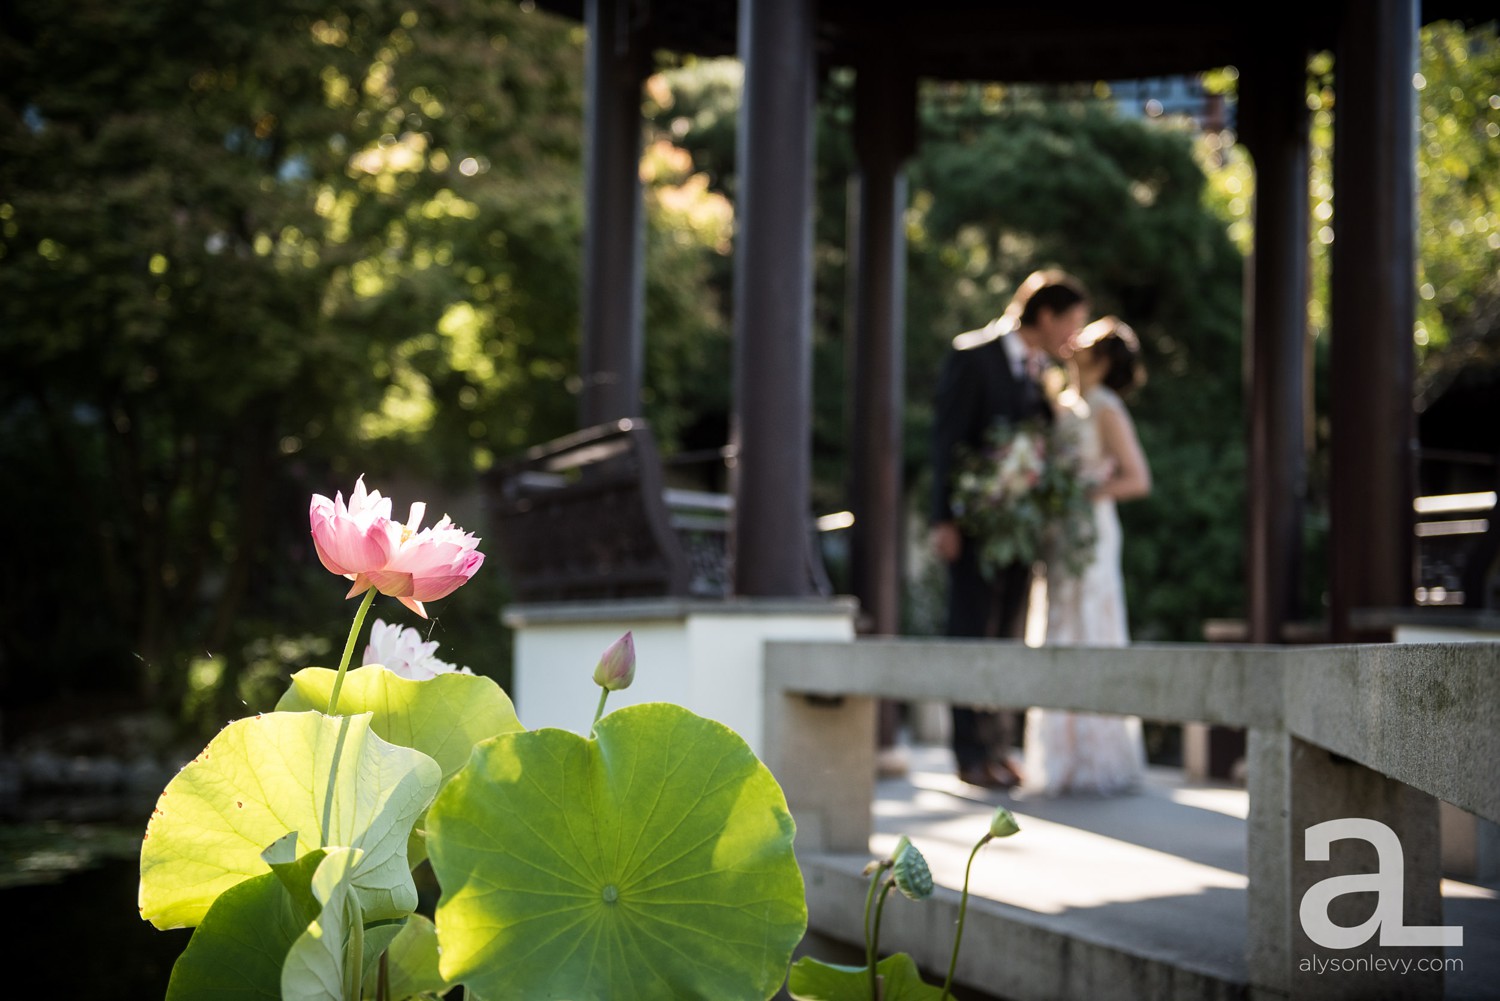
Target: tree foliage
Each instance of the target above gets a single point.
(249, 252)
(1458, 177)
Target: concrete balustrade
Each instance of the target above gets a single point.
(1374, 732)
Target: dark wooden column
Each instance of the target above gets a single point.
(1273, 123)
(610, 348)
(773, 300)
(1373, 274)
(884, 138)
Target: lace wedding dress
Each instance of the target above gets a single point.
(1085, 752)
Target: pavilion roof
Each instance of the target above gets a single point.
(1026, 42)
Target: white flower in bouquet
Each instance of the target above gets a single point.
(1025, 497)
(402, 651)
(1020, 466)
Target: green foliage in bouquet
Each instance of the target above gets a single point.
(1025, 496)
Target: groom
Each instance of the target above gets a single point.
(991, 375)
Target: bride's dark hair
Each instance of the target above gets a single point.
(1116, 342)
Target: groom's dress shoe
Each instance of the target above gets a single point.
(987, 776)
(1008, 773)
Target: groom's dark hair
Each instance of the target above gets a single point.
(1051, 289)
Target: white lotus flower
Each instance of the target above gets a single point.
(401, 651)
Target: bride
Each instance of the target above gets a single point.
(1086, 752)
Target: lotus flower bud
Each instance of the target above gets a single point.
(1003, 823)
(616, 668)
(910, 872)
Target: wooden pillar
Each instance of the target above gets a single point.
(773, 300)
(1373, 274)
(1273, 123)
(884, 138)
(611, 345)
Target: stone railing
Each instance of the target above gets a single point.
(1377, 732)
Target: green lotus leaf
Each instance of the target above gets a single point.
(653, 861)
(280, 855)
(443, 717)
(263, 777)
(811, 980)
(416, 846)
(236, 953)
(326, 961)
(411, 962)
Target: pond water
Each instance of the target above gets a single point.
(80, 936)
(76, 931)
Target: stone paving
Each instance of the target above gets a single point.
(1159, 873)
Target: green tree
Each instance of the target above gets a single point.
(1458, 178)
(248, 253)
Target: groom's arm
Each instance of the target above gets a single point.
(954, 405)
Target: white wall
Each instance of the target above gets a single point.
(704, 655)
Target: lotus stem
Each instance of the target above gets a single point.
(963, 906)
(870, 942)
(885, 894)
(359, 621)
(599, 713)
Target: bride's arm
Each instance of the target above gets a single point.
(1132, 475)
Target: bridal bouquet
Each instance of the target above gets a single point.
(1025, 496)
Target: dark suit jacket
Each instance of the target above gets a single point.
(975, 390)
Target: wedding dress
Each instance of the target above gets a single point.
(1086, 752)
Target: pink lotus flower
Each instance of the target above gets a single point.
(356, 538)
(429, 564)
(361, 542)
